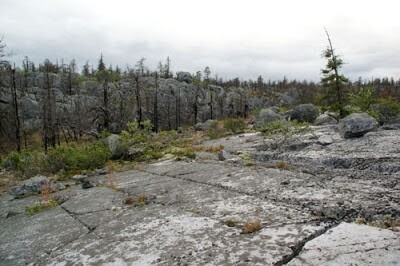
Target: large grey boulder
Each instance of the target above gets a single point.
(304, 113)
(356, 125)
(266, 116)
(30, 186)
(325, 119)
(184, 76)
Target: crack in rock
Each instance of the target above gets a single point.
(75, 216)
(298, 247)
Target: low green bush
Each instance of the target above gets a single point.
(235, 126)
(72, 159)
(385, 110)
(24, 163)
(274, 127)
(215, 131)
(363, 99)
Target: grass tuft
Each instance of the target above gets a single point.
(251, 227)
(139, 200)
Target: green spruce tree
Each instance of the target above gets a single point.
(335, 83)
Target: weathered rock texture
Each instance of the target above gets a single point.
(305, 194)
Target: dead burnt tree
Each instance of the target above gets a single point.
(49, 127)
(17, 122)
(155, 107)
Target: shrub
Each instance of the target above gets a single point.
(235, 126)
(363, 99)
(215, 131)
(72, 159)
(184, 152)
(274, 127)
(385, 110)
(25, 163)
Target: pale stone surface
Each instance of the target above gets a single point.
(350, 244)
(304, 207)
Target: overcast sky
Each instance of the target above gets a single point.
(234, 38)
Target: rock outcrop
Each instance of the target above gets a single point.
(266, 116)
(306, 199)
(304, 113)
(30, 186)
(356, 125)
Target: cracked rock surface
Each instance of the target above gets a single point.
(196, 210)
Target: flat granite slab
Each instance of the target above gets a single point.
(197, 209)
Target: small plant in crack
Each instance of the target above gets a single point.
(32, 210)
(139, 200)
(251, 227)
(230, 223)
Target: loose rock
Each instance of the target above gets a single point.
(356, 125)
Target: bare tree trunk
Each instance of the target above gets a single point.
(178, 109)
(138, 102)
(155, 111)
(105, 111)
(16, 112)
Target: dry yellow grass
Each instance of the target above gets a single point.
(45, 192)
(251, 227)
(282, 165)
(139, 200)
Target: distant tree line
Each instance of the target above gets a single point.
(134, 93)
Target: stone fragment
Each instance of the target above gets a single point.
(29, 187)
(325, 119)
(325, 140)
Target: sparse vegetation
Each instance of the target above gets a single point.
(386, 222)
(235, 126)
(230, 223)
(32, 210)
(282, 165)
(139, 200)
(216, 131)
(251, 227)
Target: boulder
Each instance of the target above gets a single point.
(285, 99)
(204, 126)
(266, 116)
(304, 113)
(325, 119)
(30, 186)
(184, 76)
(356, 125)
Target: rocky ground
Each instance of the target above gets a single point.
(306, 190)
